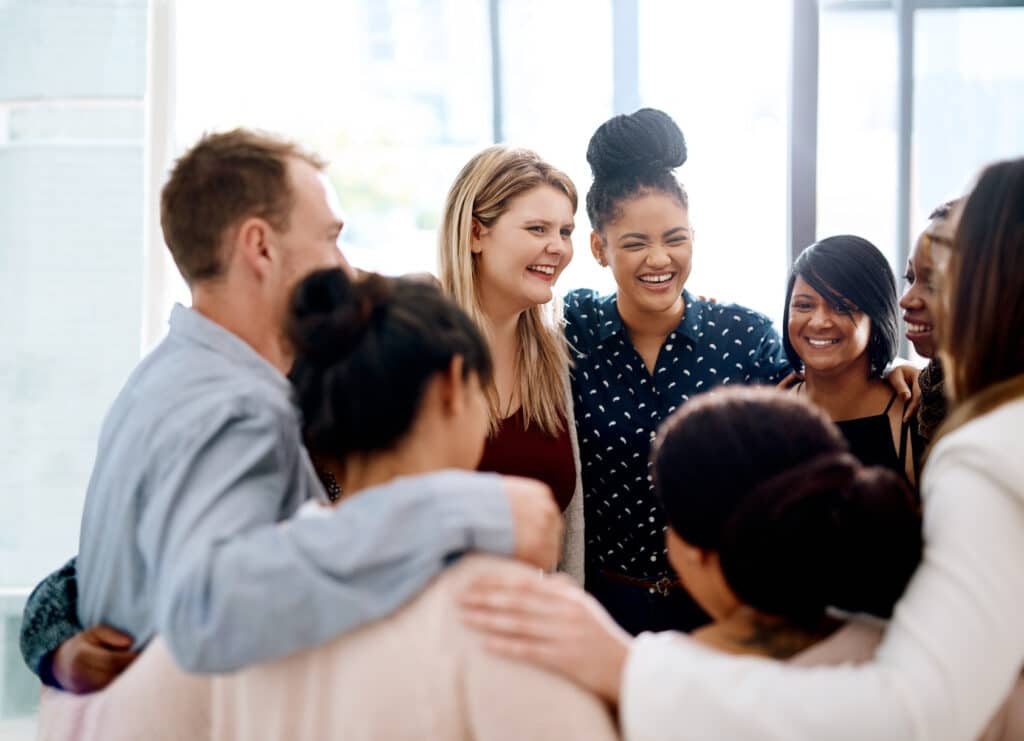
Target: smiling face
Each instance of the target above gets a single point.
(520, 256)
(828, 339)
(649, 249)
(920, 299)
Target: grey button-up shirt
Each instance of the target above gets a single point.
(186, 529)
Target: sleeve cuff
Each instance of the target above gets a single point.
(475, 510)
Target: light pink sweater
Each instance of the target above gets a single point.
(418, 674)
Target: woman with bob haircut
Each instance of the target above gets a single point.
(392, 380)
(842, 330)
(505, 238)
(954, 646)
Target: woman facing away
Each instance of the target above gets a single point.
(505, 238)
(841, 322)
(920, 306)
(642, 352)
(422, 369)
(772, 522)
(954, 646)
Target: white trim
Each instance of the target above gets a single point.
(159, 149)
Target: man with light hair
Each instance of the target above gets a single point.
(186, 531)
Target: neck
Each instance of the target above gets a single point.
(748, 631)
(253, 324)
(643, 324)
(366, 470)
(843, 393)
(503, 340)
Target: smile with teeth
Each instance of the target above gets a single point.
(656, 278)
(918, 328)
(821, 343)
(543, 269)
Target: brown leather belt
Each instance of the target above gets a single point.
(662, 586)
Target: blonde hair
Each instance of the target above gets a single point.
(482, 192)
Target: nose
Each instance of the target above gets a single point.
(558, 246)
(822, 317)
(658, 258)
(910, 299)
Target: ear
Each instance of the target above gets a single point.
(252, 245)
(597, 248)
(476, 235)
(451, 387)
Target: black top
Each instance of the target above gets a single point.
(870, 439)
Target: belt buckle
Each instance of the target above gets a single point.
(664, 586)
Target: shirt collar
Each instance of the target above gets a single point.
(190, 326)
(611, 321)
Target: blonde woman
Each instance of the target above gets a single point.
(505, 239)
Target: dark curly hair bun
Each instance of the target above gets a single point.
(365, 350)
(630, 155)
(647, 141)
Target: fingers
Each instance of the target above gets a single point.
(511, 624)
(524, 650)
(118, 661)
(111, 638)
(789, 380)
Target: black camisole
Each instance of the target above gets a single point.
(870, 439)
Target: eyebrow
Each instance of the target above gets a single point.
(679, 229)
(803, 295)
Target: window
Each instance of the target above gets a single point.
(968, 99)
(721, 71)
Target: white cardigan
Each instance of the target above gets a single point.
(951, 653)
(573, 541)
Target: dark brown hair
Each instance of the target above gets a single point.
(631, 155)
(982, 334)
(222, 179)
(364, 353)
(764, 479)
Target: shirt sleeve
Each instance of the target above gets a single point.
(236, 586)
(948, 658)
(50, 618)
(770, 364)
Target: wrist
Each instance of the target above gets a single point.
(45, 670)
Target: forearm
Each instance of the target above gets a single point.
(948, 658)
(275, 589)
(50, 618)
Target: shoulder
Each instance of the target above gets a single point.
(584, 305)
(988, 446)
(736, 316)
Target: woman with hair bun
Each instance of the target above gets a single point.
(772, 522)
(391, 377)
(642, 352)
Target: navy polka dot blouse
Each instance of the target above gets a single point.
(620, 404)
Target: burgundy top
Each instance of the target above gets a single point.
(517, 451)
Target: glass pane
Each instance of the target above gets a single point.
(725, 82)
(396, 93)
(968, 99)
(857, 138)
(557, 82)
